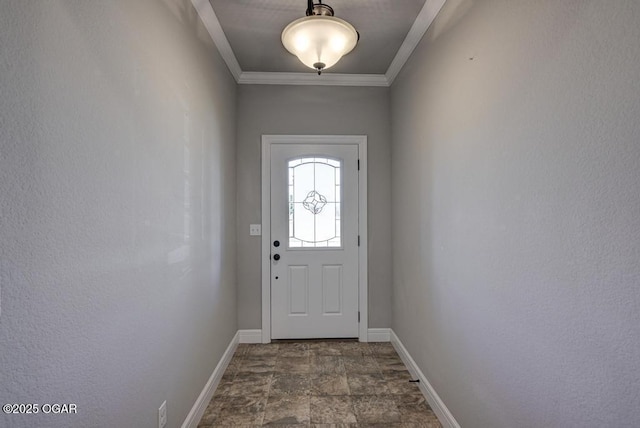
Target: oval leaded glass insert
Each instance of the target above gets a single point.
(314, 202)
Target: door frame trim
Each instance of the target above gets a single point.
(361, 142)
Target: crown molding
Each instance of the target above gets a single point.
(211, 23)
(420, 26)
(325, 79)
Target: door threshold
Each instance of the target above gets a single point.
(332, 339)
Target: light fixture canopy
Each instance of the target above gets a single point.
(320, 39)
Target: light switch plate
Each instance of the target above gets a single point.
(255, 229)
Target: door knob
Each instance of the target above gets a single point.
(276, 243)
(276, 257)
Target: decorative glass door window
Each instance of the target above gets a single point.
(314, 202)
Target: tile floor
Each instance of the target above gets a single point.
(328, 384)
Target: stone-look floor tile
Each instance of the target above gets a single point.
(383, 425)
(276, 425)
(250, 384)
(366, 384)
(228, 375)
(383, 348)
(294, 349)
(332, 410)
(426, 424)
(211, 413)
(257, 365)
(287, 410)
(267, 358)
(325, 348)
(416, 413)
(241, 411)
(224, 386)
(397, 382)
(262, 350)
(387, 358)
(241, 349)
(327, 364)
(233, 366)
(354, 348)
(289, 384)
(236, 361)
(360, 364)
(423, 424)
(334, 425)
(329, 384)
(390, 363)
(415, 398)
(375, 409)
(292, 364)
(241, 403)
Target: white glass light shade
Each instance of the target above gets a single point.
(319, 40)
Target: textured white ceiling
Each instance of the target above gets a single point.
(253, 28)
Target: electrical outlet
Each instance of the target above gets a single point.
(162, 415)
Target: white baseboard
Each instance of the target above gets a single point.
(196, 412)
(379, 335)
(250, 336)
(442, 412)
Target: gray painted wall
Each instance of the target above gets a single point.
(313, 110)
(516, 211)
(117, 202)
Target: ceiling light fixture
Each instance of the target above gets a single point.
(319, 39)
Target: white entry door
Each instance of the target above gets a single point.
(314, 241)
